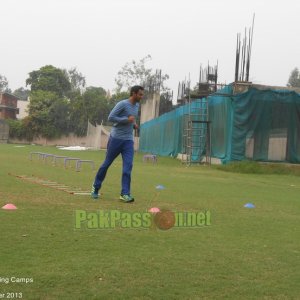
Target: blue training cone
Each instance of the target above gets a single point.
(249, 205)
(160, 187)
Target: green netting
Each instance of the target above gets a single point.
(268, 121)
(262, 125)
(163, 135)
(221, 116)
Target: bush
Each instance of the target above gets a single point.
(252, 167)
(20, 129)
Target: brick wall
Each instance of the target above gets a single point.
(9, 108)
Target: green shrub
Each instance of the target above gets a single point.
(20, 129)
(253, 167)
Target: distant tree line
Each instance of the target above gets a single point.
(60, 103)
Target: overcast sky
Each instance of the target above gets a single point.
(100, 36)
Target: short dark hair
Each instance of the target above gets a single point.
(135, 89)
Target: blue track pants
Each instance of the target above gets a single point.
(114, 148)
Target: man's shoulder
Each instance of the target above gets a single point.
(123, 102)
(126, 102)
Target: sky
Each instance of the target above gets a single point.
(100, 36)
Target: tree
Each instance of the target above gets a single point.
(294, 79)
(76, 79)
(96, 104)
(4, 84)
(92, 106)
(115, 98)
(165, 104)
(48, 114)
(49, 79)
(78, 115)
(22, 93)
(136, 72)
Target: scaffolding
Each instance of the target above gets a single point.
(196, 134)
(196, 124)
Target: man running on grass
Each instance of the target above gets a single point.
(121, 141)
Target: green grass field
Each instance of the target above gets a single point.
(243, 254)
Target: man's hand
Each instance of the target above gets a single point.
(131, 119)
(136, 126)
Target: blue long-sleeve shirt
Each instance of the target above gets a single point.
(122, 128)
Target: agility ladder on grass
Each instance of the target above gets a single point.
(51, 184)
